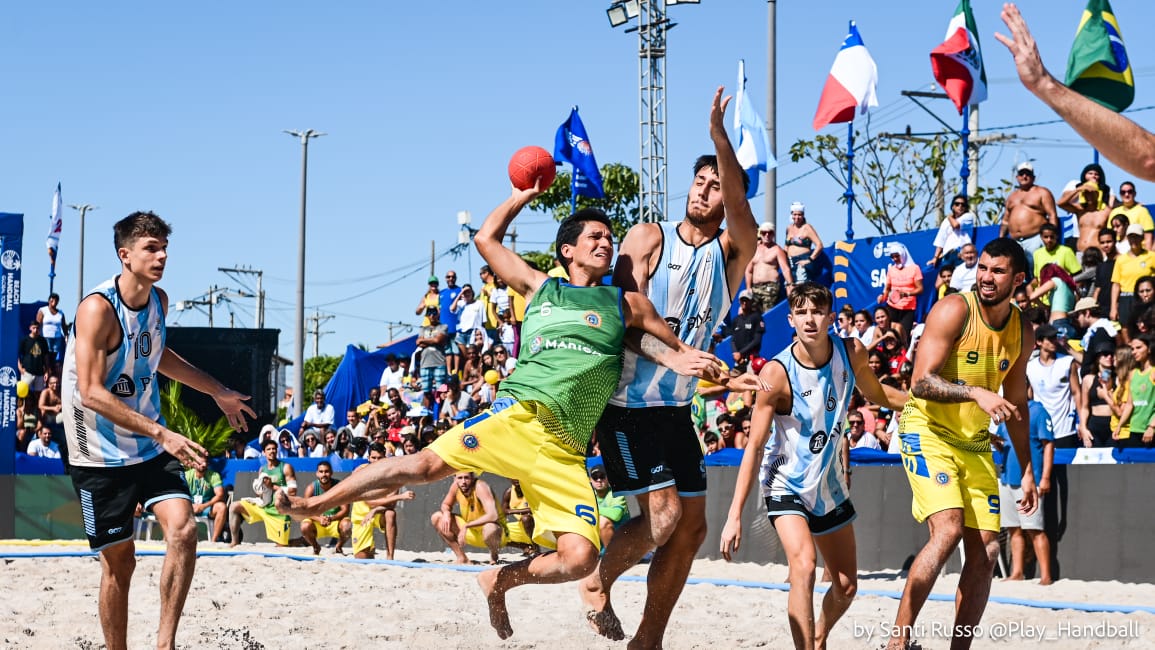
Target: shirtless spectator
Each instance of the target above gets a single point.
(1028, 207)
(1134, 211)
(50, 407)
(1090, 200)
(334, 523)
(768, 266)
(476, 522)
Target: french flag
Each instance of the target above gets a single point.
(852, 83)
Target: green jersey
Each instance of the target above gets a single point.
(1143, 397)
(319, 489)
(571, 357)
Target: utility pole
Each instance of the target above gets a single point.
(83, 209)
(772, 110)
(317, 320)
(299, 324)
(248, 270)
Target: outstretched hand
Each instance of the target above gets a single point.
(232, 404)
(718, 112)
(748, 381)
(1022, 46)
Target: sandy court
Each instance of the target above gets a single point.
(253, 601)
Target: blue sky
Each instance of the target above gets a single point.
(180, 109)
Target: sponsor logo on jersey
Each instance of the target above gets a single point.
(123, 387)
(470, 442)
(942, 478)
(818, 441)
(538, 344)
(1004, 364)
(592, 319)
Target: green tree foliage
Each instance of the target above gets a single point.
(900, 183)
(620, 203)
(318, 372)
(539, 260)
(180, 418)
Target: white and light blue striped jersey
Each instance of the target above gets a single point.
(130, 375)
(689, 289)
(804, 453)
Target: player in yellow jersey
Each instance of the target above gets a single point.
(974, 343)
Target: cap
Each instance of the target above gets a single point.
(433, 279)
(1134, 229)
(408, 430)
(1085, 304)
(766, 226)
(598, 471)
(798, 206)
(745, 295)
(1025, 167)
(1045, 331)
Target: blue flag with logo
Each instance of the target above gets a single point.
(572, 145)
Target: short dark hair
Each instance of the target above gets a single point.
(1049, 227)
(573, 226)
(54, 295)
(270, 441)
(1107, 232)
(325, 463)
(711, 161)
(136, 225)
(811, 292)
(1010, 249)
(379, 448)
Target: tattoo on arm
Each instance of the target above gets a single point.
(935, 388)
(652, 348)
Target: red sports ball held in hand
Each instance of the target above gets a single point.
(528, 164)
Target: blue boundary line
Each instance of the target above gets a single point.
(716, 582)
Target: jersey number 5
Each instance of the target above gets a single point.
(587, 514)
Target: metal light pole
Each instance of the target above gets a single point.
(299, 342)
(772, 109)
(80, 280)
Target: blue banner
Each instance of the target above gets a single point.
(11, 241)
(572, 145)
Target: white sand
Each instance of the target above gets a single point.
(256, 602)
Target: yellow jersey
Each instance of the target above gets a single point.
(982, 356)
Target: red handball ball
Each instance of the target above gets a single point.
(756, 364)
(529, 164)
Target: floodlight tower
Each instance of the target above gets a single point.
(652, 27)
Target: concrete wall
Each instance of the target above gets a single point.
(1106, 535)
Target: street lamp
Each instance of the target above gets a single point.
(83, 209)
(299, 342)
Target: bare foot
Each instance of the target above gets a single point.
(599, 613)
(284, 503)
(498, 615)
(1013, 578)
(1046, 581)
(316, 548)
(337, 550)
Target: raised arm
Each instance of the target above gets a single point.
(1122, 141)
(508, 265)
(740, 238)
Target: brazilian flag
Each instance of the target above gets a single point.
(1098, 67)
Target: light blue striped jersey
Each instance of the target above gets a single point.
(689, 289)
(804, 453)
(130, 375)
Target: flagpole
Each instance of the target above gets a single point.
(573, 188)
(965, 172)
(849, 194)
(51, 273)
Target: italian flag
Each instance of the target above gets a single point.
(958, 63)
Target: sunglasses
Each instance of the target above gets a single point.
(1126, 192)
(958, 203)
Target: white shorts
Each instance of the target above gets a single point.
(1011, 517)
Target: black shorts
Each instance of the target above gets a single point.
(108, 495)
(843, 513)
(647, 449)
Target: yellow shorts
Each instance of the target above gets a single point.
(944, 477)
(333, 529)
(276, 525)
(362, 534)
(475, 536)
(516, 533)
(508, 440)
